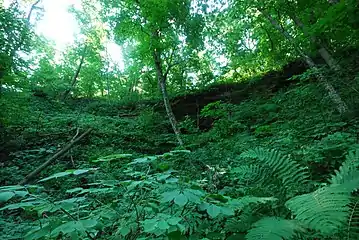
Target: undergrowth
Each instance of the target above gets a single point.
(275, 166)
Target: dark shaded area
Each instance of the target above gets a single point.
(235, 93)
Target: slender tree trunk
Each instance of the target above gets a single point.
(75, 77)
(323, 52)
(161, 77)
(332, 93)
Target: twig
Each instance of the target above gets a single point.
(77, 133)
(72, 161)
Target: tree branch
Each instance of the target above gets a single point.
(53, 158)
(33, 6)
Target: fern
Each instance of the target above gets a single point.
(274, 228)
(243, 202)
(243, 222)
(325, 210)
(249, 174)
(288, 171)
(348, 171)
(352, 229)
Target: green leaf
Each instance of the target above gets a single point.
(174, 220)
(172, 229)
(181, 227)
(22, 205)
(80, 171)
(40, 232)
(181, 151)
(227, 211)
(12, 188)
(56, 175)
(133, 185)
(78, 189)
(124, 231)
(71, 200)
(162, 224)
(6, 196)
(213, 211)
(143, 160)
(274, 228)
(218, 197)
(191, 196)
(161, 177)
(172, 180)
(169, 196)
(112, 157)
(149, 225)
(203, 206)
(181, 200)
(79, 226)
(21, 193)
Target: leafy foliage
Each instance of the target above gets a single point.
(289, 172)
(284, 229)
(348, 171)
(267, 156)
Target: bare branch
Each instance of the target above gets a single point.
(33, 6)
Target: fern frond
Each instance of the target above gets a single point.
(274, 228)
(349, 169)
(325, 210)
(281, 166)
(249, 174)
(243, 222)
(243, 202)
(352, 230)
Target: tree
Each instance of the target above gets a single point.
(155, 28)
(333, 95)
(13, 31)
(76, 74)
(259, 13)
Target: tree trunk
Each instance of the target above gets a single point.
(75, 77)
(333, 95)
(161, 77)
(323, 52)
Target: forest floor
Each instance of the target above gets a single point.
(294, 117)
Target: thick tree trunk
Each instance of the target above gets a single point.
(333, 95)
(75, 77)
(161, 77)
(323, 52)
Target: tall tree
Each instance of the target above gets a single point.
(155, 28)
(260, 13)
(76, 74)
(332, 93)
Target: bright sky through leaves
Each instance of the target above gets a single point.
(60, 26)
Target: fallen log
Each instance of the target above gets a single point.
(53, 158)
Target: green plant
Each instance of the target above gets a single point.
(188, 125)
(217, 110)
(263, 131)
(150, 202)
